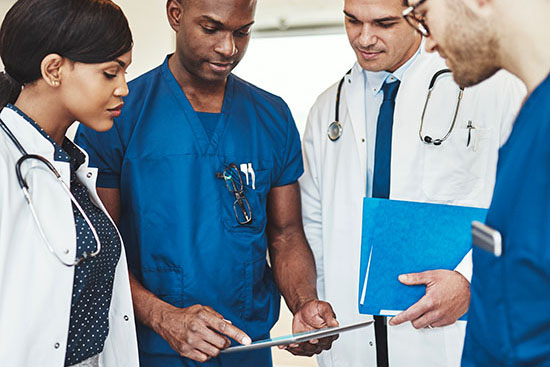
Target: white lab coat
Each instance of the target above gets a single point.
(35, 288)
(334, 184)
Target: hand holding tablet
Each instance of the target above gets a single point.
(297, 338)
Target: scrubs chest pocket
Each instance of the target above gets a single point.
(456, 169)
(236, 209)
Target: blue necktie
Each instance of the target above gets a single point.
(382, 154)
(381, 189)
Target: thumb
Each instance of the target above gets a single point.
(415, 278)
(327, 314)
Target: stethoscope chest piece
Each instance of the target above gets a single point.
(334, 131)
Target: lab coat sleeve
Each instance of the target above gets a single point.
(465, 266)
(311, 193)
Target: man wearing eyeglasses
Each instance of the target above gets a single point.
(397, 141)
(201, 172)
(509, 317)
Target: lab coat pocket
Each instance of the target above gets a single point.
(456, 170)
(254, 203)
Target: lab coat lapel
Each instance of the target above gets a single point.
(407, 149)
(353, 95)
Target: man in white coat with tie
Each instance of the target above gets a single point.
(394, 140)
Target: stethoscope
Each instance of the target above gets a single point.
(25, 187)
(426, 138)
(335, 129)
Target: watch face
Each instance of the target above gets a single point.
(334, 131)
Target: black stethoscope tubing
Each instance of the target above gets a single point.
(335, 129)
(25, 187)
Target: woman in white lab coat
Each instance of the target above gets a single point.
(456, 172)
(64, 290)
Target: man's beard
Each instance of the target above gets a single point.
(471, 47)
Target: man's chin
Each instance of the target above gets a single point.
(468, 78)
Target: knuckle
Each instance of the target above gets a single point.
(194, 326)
(191, 339)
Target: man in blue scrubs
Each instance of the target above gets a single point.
(509, 319)
(201, 172)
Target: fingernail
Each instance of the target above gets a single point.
(229, 322)
(403, 278)
(246, 340)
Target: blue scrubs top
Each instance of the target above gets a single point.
(178, 222)
(509, 318)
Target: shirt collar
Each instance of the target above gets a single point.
(374, 80)
(67, 152)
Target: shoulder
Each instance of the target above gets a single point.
(143, 91)
(261, 97)
(327, 99)
(142, 85)
(503, 88)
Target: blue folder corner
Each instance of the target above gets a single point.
(402, 237)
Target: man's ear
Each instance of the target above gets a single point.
(174, 11)
(51, 69)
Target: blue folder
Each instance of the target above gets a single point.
(402, 237)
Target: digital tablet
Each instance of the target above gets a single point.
(297, 338)
(486, 238)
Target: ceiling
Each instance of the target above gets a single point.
(302, 16)
(273, 16)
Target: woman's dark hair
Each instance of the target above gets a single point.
(88, 31)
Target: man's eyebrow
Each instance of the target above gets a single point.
(387, 19)
(379, 20)
(220, 24)
(212, 20)
(350, 15)
(247, 25)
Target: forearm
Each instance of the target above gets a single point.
(148, 308)
(294, 270)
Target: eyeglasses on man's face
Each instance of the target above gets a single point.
(416, 21)
(234, 183)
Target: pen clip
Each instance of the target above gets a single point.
(470, 127)
(252, 175)
(244, 169)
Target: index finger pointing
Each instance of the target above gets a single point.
(227, 328)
